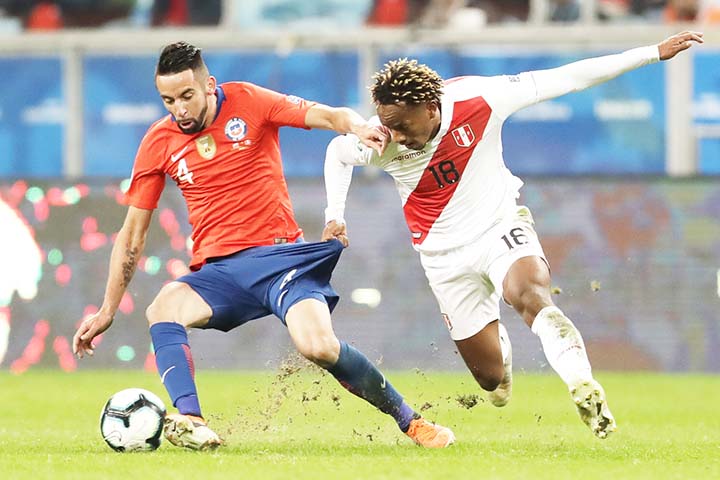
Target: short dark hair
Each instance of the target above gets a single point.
(404, 80)
(178, 57)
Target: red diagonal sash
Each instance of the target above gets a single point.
(442, 175)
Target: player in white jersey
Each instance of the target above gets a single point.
(476, 245)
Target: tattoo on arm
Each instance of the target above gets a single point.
(128, 267)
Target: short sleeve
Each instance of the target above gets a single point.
(281, 110)
(147, 179)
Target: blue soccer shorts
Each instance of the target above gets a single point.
(262, 280)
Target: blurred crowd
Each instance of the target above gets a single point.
(655, 11)
(259, 14)
(57, 14)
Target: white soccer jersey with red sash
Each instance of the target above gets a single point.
(457, 186)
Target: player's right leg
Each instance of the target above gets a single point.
(488, 356)
(174, 309)
(470, 309)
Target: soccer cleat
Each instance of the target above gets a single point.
(190, 432)
(589, 397)
(501, 395)
(429, 435)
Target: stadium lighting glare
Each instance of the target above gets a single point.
(125, 353)
(367, 296)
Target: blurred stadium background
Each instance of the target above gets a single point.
(622, 178)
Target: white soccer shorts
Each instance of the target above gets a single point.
(467, 281)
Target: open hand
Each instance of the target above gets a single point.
(671, 46)
(90, 328)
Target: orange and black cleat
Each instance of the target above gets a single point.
(430, 435)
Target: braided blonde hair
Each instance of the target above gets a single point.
(407, 81)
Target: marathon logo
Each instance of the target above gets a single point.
(407, 156)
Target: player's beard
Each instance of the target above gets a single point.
(197, 125)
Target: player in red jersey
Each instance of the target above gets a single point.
(220, 145)
(476, 245)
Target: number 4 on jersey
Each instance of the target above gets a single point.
(184, 174)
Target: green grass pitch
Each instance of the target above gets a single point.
(302, 425)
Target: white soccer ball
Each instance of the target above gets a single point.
(132, 420)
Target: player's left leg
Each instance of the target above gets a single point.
(527, 288)
(310, 328)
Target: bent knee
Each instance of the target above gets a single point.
(322, 352)
(154, 312)
(178, 303)
(489, 379)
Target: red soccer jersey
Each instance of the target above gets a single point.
(230, 173)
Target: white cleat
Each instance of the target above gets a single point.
(589, 397)
(501, 395)
(190, 432)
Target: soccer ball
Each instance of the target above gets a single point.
(132, 420)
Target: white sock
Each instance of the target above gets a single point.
(563, 345)
(504, 341)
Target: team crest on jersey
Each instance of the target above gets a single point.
(235, 129)
(294, 99)
(206, 146)
(464, 136)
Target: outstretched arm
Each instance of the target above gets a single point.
(583, 74)
(587, 73)
(345, 120)
(126, 252)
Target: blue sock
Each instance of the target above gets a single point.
(175, 366)
(355, 372)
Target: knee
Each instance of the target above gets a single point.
(489, 378)
(161, 309)
(322, 351)
(153, 313)
(530, 297)
(528, 301)
(527, 286)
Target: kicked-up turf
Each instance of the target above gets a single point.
(300, 424)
